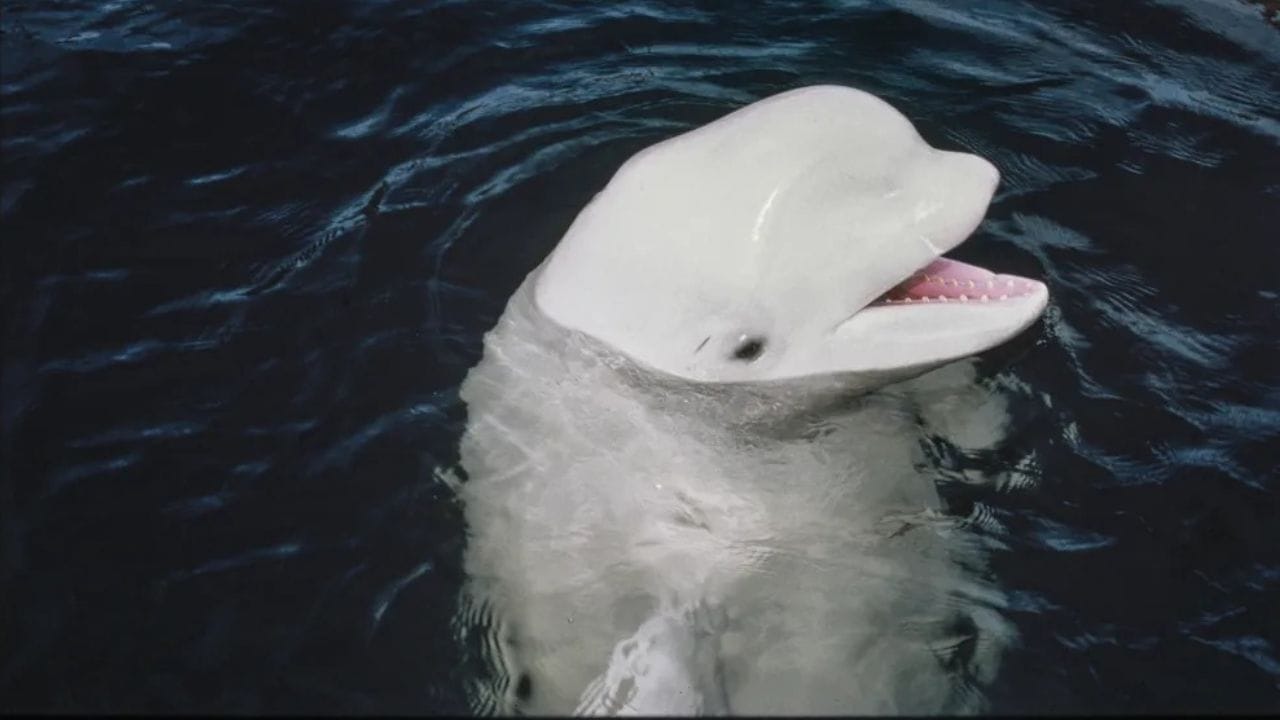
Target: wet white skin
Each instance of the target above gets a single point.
(781, 221)
(659, 526)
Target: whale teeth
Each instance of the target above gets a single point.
(1020, 290)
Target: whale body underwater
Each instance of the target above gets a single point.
(693, 471)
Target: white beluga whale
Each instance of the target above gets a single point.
(694, 481)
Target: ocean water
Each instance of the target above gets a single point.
(248, 252)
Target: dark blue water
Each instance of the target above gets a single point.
(250, 249)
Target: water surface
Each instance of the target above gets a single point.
(249, 252)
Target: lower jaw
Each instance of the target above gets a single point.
(946, 281)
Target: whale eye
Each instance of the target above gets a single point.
(749, 348)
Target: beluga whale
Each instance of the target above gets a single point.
(692, 472)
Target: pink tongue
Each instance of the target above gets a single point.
(946, 280)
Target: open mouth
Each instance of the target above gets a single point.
(951, 281)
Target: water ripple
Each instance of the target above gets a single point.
(251, 251)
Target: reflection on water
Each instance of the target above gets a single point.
(249, 255)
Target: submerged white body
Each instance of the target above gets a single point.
(661, 522)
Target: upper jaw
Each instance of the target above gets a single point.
(959, 190)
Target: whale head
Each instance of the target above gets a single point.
(799, 236)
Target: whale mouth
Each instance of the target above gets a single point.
(950, 281)
(943, 311)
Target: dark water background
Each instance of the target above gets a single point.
(250, 249)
